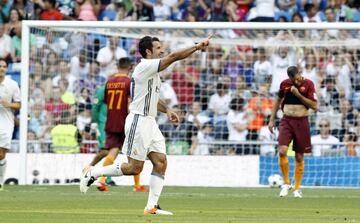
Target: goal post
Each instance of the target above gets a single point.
(243, 39)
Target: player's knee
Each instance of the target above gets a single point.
(282, 151)
(161, 164)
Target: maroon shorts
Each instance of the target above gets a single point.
(114, 140)
(297, 129)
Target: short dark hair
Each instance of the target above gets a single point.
(146, 44)
(124, 63)
(51, 2)
(292, 71)
(2, 59)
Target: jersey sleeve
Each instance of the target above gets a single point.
(281, 93)
(311, 94)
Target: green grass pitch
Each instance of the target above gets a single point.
(54, 204)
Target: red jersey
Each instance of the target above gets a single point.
(117, 92)
(53, 15)
(306, 89)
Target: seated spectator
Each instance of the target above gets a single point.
(237, 10)
(343, 13)
(350, 141)
(84, 97)
(109, 55)
(37, 119)
(233, 67)
(161, 11)
(91, 81)
(241, 89)
(182, 137)
(217, 11)
(265, 136)
(51, 65)
(297, 17)
(204, 137)
(323, 138)
(64, 73)
(312, 14)
(142, 10)
(25, 8)
(83, 117)
(14, 21)
(121, 12)
(330, 17)
(50, 12)
(5, 44)
(87, 10)
(196, 116)
(310, 70)
(66, 96)
(33, 145)
(54, 105)
(259, 108)
(237, 122)
(219, 102)
(79, 66)
(330, 95)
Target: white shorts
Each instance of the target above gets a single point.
(142, 136)
(5, 139)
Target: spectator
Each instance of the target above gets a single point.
(184, 80)
(79, 66)
(280, 61)
(204, 137)
(264, 11)
(310, 70)
(219, 102)
(33, 145)
(182, 136)
(330, 17)
(87, 10)
(5, 44)
(217, 11)
(312, 14)
(341, 69)
(37, 119)
(330, 95)
(50, 12)
(4, 11)
(16, 44)
(64, 74)
(343, 13)
(51, 65)
(66, 8)
(319, 141)
(83, 117)
(267, 138)
(196, 116)
(142, 11)
(120, 11)
(108, 56)
(91, 81)
(25, 8)
(262, 68)
(233, 67)
(238, 9)
(260, 108)
(350, 141)
(66, 96)
(55, 106)
(14, 21)
(84, 97)
(241, 89)
(237, 120)
(161, 11)
(297, 17)
(248, 67)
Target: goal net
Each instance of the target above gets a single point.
(224, 95)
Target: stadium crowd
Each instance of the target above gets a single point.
(226, 95)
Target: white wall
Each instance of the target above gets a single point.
(208, 171)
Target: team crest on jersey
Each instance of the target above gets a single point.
(96, 100)
(302, 89)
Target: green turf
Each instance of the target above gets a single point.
(65, 204)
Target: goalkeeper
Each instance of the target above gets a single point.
(99, 115)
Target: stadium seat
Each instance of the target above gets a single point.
(285, 14)
(356, 17)
(107, 14)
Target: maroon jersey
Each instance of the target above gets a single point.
(117, 92)
(306, 89)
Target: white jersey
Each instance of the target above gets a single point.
(9, 91)
(145, 88)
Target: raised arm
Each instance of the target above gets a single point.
(182, 54)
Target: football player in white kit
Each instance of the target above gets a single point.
(9, 101)
(143, 137)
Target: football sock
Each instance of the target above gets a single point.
(299, 170)
(284, 166)
(156, 186)
(112, 170)
(137, 180)
(2, 170)
(109, 159)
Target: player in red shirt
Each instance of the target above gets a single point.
(296, 96)
(50, 12)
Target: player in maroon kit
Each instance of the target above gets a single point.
(296, 96)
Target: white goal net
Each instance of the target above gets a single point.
(224, 95)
